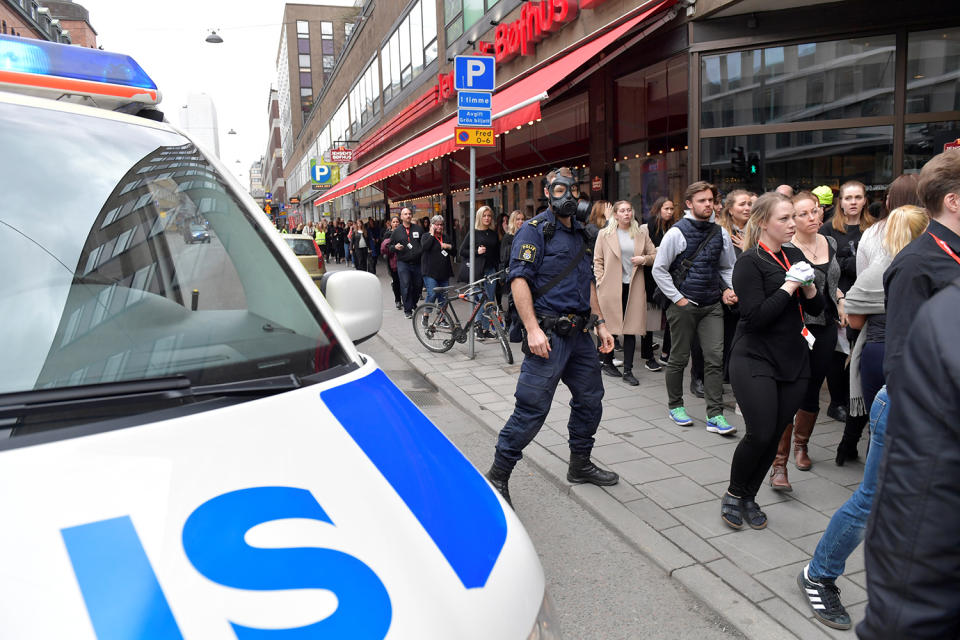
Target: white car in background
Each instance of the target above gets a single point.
(191, 445)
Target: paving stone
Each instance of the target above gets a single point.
(651, 513)
(718, 488)
(677, 452)
(859, 578)
(487, 397)
(691, 543)
(747, 617)
(676, 492)
(624, 425)
(619, 452)
(723, 450)
(641, 471)
(755, 551)
(823, 495)
(623, 491)
(476, 387)
(802, 627)
(699, 436)
(825, 438)
(611, 412)
(706, 471)
(631, 402)
(792, 519)
(549, 438)
(702, 518)
(854, 564)
(739, 580)
(849, 474)
(604, 437)
(648, 437)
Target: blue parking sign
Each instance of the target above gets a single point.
(473, 73)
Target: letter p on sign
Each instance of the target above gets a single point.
(474, 73)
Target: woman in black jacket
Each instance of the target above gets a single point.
(506, 243)
(435, 259)
(769, 359)
(663, 215)
(486, 257)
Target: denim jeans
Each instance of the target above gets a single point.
(411, 281)
(849, 523)
(431, 284)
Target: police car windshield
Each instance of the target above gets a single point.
(104, 279)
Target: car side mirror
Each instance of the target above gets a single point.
(356, 300)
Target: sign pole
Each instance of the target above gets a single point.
(473, 228)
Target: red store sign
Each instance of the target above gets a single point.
(341, 155)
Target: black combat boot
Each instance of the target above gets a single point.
(582, 470)
(499, 478)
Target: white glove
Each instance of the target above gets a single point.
(801, 272)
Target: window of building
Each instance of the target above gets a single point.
(348, 30)
(327, 52)
(798, 83)
(365, 98)
(303, 28)
(410, 48)
(460, 15)
(933, 58)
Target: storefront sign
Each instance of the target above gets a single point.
(294, 200)
(341, 155)
(952, 145)
(537, 21)
(323, 175)
(596, 184)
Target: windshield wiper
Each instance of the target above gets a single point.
(111, 394)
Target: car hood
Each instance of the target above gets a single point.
(337, 507)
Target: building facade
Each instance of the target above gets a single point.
(199, 118)
(33, 19)
(75, 20)
(274, 188)
(640, 98)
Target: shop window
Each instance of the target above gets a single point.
(933, 58)
(803, 159)
(799, 83)
(925, 140)
(529, 190)
(516, 194)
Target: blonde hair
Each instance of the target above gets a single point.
(760, 213)
(478, 223)
(514, 215)
(612, 223)
(904, 225)
(840, 219)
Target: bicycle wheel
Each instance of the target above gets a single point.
(433, 327)
(492, 312)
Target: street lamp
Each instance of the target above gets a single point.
(231, 132)
(213, 38)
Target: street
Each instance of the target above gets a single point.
(602, 587)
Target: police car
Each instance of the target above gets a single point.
(191, 445)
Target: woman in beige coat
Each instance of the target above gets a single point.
(623, 249)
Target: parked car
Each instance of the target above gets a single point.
(194, 232)
(191, 445)
(308, 253)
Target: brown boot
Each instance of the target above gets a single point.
(778, 472)
(804, 422)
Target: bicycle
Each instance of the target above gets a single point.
(438, 327)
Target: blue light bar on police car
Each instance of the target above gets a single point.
(44, 68)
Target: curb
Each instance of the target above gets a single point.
(742, 614)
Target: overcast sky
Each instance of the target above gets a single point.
(167, 40)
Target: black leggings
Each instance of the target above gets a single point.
(395, 277)
(629, 340)
(821, 358)
(767, 406)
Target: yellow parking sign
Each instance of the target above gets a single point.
(474, 136)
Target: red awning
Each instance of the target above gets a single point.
(514, 106)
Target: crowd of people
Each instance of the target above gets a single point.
(775, 293)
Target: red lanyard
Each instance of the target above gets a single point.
(785, 268)
(407, 229)
(772, 255)
(946, 248)
(440, 237)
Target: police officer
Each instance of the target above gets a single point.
(554, 290)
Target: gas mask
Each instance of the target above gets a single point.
(564, 203)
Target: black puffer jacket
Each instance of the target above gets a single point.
(913, 539)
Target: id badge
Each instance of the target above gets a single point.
(409, 245)
(809, 337)
(444, 253)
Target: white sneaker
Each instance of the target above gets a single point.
(617, 363)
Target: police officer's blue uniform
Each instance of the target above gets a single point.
(573, 358)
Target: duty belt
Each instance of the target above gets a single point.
(567, 324)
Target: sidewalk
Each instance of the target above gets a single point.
(667, 503)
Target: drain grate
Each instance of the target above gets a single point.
(423, 398)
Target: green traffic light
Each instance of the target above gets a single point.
(753, 168)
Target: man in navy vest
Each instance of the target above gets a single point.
(695, 301)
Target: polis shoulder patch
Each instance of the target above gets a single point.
(533, 222)
(528, 252)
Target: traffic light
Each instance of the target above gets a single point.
(738, 161)
(754, 164)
